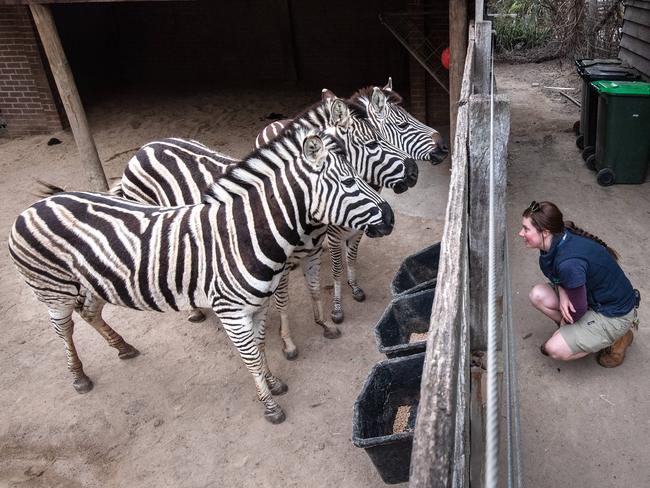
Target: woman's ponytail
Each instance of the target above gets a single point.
(581, 232)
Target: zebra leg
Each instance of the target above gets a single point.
(91, 312)
(61, 318)
(311, 271)
(275, 384)
(352, 245)
(241, 332)
(337, 271)
(281, 297)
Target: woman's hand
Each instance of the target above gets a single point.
(566, 307)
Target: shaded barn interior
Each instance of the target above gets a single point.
(186, 46)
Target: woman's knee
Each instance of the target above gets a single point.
(540, 294)
(558, 349)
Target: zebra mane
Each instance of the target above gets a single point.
(267, 159)
(366, 92)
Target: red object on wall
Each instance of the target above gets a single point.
(444, 58)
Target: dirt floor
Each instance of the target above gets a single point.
(582, 425)
(184, 412)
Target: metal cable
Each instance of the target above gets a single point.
(515, 472)
(492, 403)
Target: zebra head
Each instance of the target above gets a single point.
(379, 162)
(339, 195)
(398, 126)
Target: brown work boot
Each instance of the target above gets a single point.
(614, 355)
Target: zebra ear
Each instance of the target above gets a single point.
(340, 114)
(313, 151)
(389, 85)
(378, 99)
(327, 95)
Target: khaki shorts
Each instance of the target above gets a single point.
(595, 331)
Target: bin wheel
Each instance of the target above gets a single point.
(576, 127)
(588, 151)
(591, 162)
(580, 141)
(605, 177)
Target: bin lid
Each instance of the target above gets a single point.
(609, 72)
(583, 63)
(623, 88)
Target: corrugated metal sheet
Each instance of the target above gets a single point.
(635, 42)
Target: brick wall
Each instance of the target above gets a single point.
(27, 104)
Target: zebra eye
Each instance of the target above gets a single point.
(348, 182)
(403, 125)
(372, 144)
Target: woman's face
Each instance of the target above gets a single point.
(533, 238)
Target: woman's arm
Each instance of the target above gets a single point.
(573, 303)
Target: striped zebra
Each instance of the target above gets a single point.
(396, 125)
(382, 110)
(80, 250)
(176, 171)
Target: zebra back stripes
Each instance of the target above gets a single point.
(79, 250)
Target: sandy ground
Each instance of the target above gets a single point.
(582, 425)
(184, 413)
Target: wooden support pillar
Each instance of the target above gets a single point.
(482, 57)
(458, 27)
(479, 198)
(69, 96)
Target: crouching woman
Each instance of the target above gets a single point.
(589, 297)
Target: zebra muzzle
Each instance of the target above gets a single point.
(386, 225)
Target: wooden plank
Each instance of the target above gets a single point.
(482, 56)
(438, 437)
(638, 31)
(457, 49)
(633, 59)
(69, 96)
(638, 15)
(637, 46)
(638, 3)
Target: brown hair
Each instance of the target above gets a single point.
(547, 216)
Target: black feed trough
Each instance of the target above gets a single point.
(417, 272)
(385, 414)
(402, 328)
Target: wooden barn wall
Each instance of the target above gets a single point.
(242, 43)
(635, 41)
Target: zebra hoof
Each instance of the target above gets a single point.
(128, 353)
(275, 416)
(291, 354)
(196, 316)
(280, 388)
(337, 316)
(331, 332)
(358, 295)
(83, 384)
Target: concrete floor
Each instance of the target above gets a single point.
(582, 425)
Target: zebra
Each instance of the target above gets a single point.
(382, 109)
(397, 126)
(81, 250)
(176, 171)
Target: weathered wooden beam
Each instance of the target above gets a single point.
(482, 56)
(457, 48)
(69, 96)
(479, 197)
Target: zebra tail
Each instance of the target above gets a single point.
(46, 189)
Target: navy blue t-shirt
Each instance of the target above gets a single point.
(573, 261)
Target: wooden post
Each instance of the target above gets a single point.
(479, 180)
(69, 96)
(457, 48)
(482, 56)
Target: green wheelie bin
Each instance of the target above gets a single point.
(595, 70)
(623, 132)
